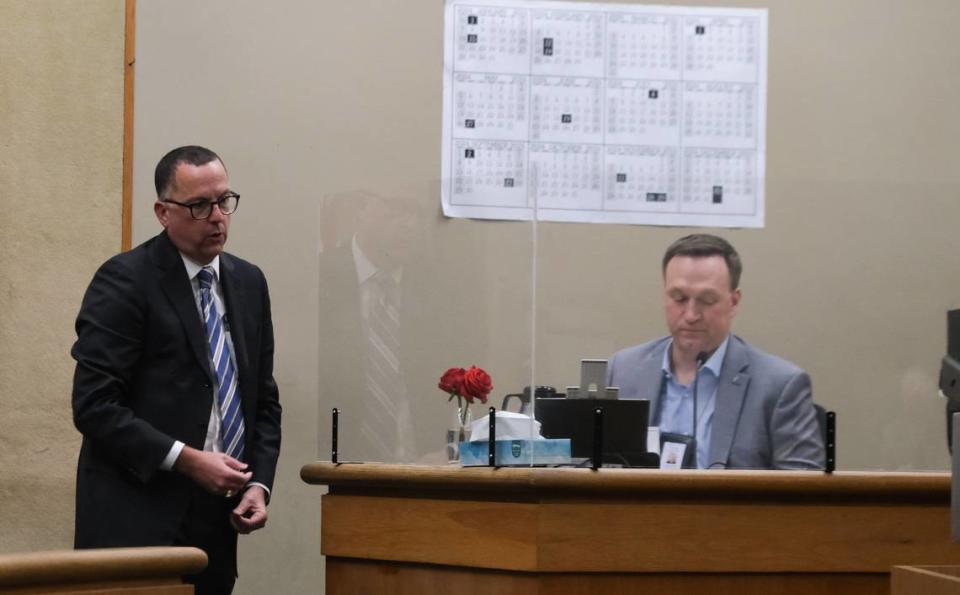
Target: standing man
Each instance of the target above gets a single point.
(173, 390)
(754, 410)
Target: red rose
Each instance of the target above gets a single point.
(476, 384)
(452, 381)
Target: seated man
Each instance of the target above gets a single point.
(755, 410)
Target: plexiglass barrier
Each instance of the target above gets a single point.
(406, 294)
(426, 322)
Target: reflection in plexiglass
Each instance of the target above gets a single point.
(406, 294)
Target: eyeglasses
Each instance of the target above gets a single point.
(201, 209)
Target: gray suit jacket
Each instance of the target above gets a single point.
(764, 417)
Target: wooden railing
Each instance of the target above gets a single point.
(117, 571)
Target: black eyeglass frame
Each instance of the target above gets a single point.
(208, 205)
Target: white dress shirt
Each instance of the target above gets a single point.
(212, 442)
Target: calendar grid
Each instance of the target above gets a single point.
(652, 115)
(532, 198)
(681, 181)
(603, 101)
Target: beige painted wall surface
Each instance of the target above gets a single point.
(61, 132)
(316, 102)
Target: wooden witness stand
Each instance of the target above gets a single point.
(445, 529)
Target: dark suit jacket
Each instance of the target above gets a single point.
(143, 380)
(764, 416)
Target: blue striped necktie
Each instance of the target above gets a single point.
(228, 397)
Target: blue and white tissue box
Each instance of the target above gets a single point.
(521, 453)
(518, 443)
(510, 426)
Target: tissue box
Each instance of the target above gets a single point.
(510, 426)
(550, 451)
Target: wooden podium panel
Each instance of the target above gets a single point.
(533, 530)
(346, 575)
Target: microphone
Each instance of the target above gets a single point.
(701, 359)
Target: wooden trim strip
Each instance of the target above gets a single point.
(633, 483)
(129, 62)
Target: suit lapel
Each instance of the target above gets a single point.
(650, 373)
(176, 286)
(234, 296)
(731, 390)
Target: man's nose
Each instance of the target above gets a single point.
(692, 310)
(215, 213)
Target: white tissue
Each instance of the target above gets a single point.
(510, 426)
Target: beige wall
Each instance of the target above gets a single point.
(61, 132)
(850, 278)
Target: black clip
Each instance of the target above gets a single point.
(831, 441)
(492, 439)
(333, 438)
(597, 438)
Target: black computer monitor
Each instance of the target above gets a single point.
(950, 372)
(624, 427)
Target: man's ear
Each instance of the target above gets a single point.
(160, 209)
(735, 299)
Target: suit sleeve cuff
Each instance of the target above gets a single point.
(265, 488)
(171, 458)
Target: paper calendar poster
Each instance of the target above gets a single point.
(604, 113)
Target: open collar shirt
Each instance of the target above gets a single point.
(676, 402)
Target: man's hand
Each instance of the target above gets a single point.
(216, 472)
(251, 513)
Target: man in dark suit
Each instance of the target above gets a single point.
(173, 389)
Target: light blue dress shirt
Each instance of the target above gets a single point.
(676, 402)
